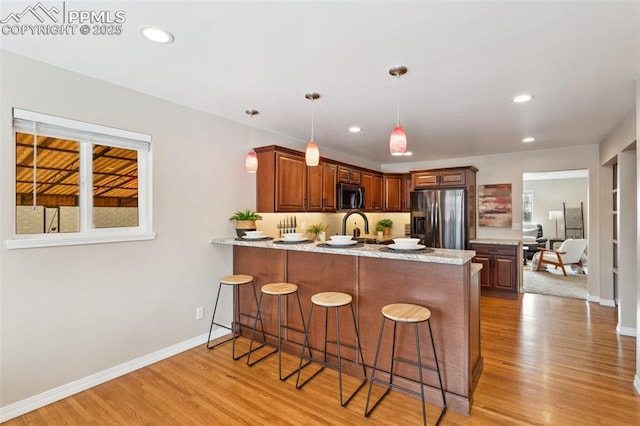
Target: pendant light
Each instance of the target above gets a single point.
(398, 139)
(312, 154)
(251, 162)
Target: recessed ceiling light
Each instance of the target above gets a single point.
(156, 34)
(355, 129)
(521, 98)
(529, 139)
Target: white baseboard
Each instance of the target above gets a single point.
(626, 331)
(636, 383)
(608, 302)
(21, 407)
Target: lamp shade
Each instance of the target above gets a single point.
(398, 141)
(251, 162)
(312, 154)
(555, 214)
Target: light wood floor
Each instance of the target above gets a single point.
(547, 360)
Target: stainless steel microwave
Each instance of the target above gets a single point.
(350, 196)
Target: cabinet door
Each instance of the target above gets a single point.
(330, 172)
(452, 178)
(372, 191)
(425, 180)
(291, 183)
(407, 187)
(321, 187)
(392, 193)
(349, 175)
(485, 272)
(315, 177)
(504, 277)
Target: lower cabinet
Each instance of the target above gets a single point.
(499, 274)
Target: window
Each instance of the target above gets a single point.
(79, 183)
(527, 205)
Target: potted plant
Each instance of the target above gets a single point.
(384, 225)
(245, 221)
(317, 230)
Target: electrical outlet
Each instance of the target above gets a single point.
(199, 312)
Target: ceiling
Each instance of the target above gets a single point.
(465, 61)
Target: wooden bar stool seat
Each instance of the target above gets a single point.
(279, 290)
(405, 313)
(235, 281)
(334, 300)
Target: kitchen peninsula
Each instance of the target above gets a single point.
(445, 281)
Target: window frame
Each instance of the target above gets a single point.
(88, 134)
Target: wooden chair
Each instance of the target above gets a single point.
(569, 253)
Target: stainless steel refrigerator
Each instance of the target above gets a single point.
(439, 218)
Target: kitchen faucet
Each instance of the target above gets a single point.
(346, 216)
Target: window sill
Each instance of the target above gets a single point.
(75, 240)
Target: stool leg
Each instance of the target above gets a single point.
(213, 321)
(253, 334)
(306, 344)
(304, 327)
(435, 357)
(367, 411)
(424, 409)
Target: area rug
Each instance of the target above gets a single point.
(552, 282)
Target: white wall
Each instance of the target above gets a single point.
(70, 312)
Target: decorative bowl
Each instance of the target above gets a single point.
(341, 238)
(406, 242)
(254, 234)
(293, 236)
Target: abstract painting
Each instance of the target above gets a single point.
(494, 205)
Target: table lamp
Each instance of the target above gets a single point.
(555, 215)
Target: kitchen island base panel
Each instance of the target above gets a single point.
(450, 291)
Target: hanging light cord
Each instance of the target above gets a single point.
(397, 100)
(251, 132)
(312, 118)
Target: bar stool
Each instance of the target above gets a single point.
(332, 300)
(279, 290)
(235, 281)
(406, 313)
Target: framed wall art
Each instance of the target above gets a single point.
(494, 205)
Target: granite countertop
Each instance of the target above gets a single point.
(497, 241)
(453, 257)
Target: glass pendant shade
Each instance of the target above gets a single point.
(398, 141)
(251, 162)
(312, 154)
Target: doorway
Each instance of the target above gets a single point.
(548, 200)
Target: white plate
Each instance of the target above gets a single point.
(293, 240)
(342, 243)
(416, 247)
(253, 238)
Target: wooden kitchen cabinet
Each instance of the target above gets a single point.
(458, 177)
(281, 180)
(321, 187)
(349, 175)
(372, 183)
(393, 194)
(499, 274)
(407, 187)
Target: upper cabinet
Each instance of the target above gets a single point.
(372, 183)
(407, 187)
(321, 187)
(349, 175)
(393, 195)
(281, 180)
(459, 177)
